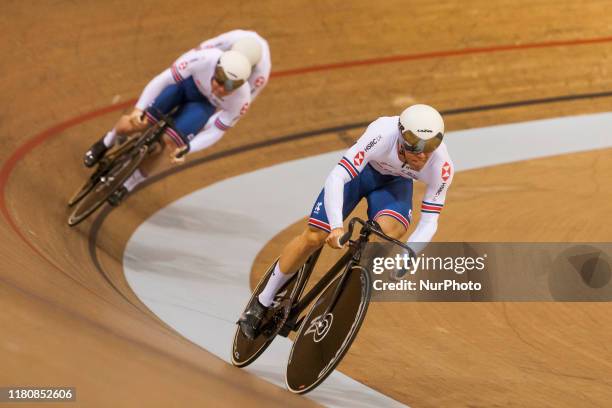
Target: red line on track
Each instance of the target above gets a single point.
(24, 149)
(440, 54)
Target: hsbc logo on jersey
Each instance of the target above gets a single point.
(358, 159)
(373, 143)
(244, 108)
(446, 171)
(435, 198)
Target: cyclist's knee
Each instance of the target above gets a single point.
(314, 237)
(131, 123)
(391, 227)
(124, 126)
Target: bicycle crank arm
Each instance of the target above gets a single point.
(289, 326)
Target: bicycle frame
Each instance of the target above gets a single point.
(150, 136)
(154, 133)
(344, 264)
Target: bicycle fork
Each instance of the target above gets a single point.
(355, 258)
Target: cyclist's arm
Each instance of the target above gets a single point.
(154, 88)
(261, 72)
(349, 167)
(424, 232)
(208, 136)
(334, 196)
(222, 120)
(223, 41)
(259, 78)
(432, 205)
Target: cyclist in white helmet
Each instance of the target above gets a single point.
(208, 88)
(254, 46)
(381, 168)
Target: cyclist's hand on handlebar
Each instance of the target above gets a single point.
(179, 154)
(334, 236)
(138, 119)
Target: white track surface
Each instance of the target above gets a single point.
(190, 262)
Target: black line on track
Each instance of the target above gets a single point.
(93, 253)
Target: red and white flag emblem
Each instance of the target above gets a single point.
(244, 108)
(260, 81)
(446, 171)
(358, 159)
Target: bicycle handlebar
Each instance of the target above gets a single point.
(170, 123)
(347, 235)
(184, 151)
(372, 227)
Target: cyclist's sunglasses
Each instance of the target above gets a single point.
(414, 144)
(224, 81)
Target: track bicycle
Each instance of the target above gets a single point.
(334, 307)
(114, 169)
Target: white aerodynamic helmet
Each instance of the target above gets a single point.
(233, 70)
(250, 48)
(422, 128)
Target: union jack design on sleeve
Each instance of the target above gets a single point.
(175, 73)
(319, 224)
(349, 167)
(221, 125)
(431, 208)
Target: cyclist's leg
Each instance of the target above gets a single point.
(194, 111)
(130, 123)
(188, 120)
(301, 247)
(125, 126)
(297, 251)
(391, 206)
(170, 97)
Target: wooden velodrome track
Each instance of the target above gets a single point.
(70, 67)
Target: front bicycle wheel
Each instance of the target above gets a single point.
(83, 190)
(328, 330)
(120, 170)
